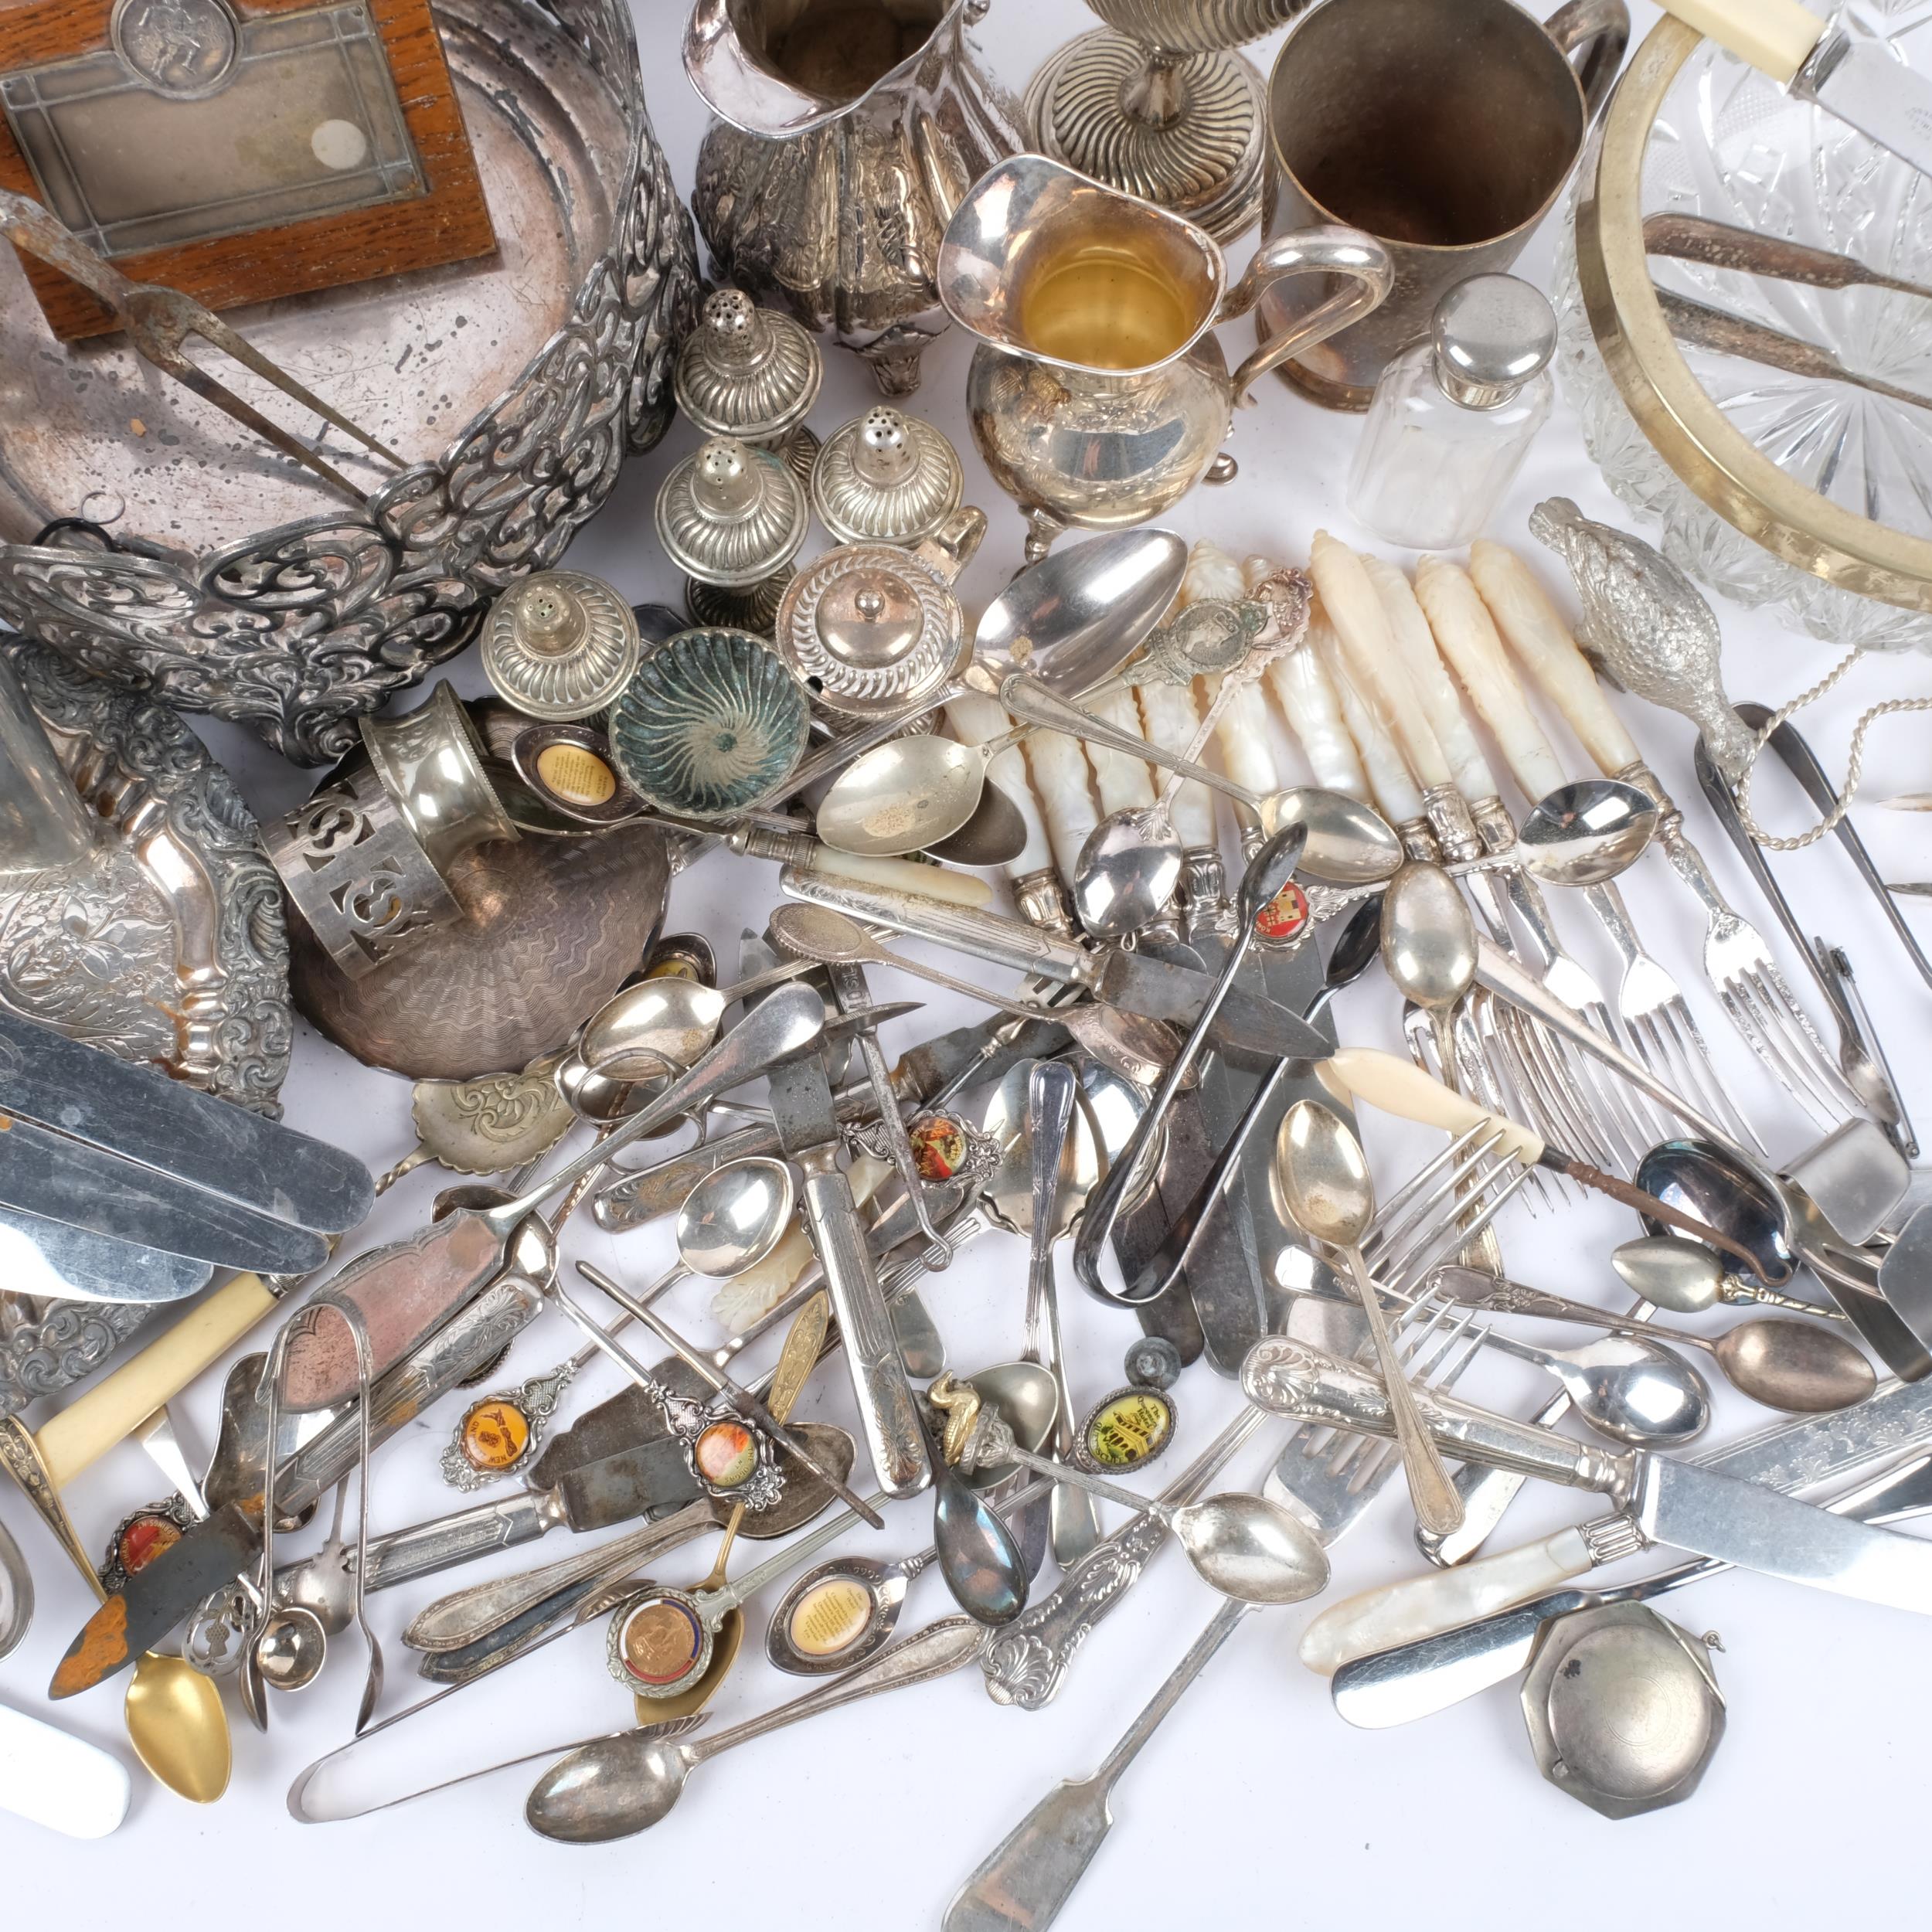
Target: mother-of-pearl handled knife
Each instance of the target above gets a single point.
(1396, 795)
(1803, 1452)
(1676, 1503)
(977, 719)
(1368, 647)
(1413, 644)
(1466, 634)
(1530, 627)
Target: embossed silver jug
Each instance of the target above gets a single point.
(847, 132)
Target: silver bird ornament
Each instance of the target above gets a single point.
(1646, 623)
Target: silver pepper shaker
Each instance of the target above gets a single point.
(745, 372)
(732, 517)
(560, 645)
(885, 478)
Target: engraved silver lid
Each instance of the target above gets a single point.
(730, 515)
(560, 645)
(866, 627)
(885, 478)
(1492, 333)
(746, 372)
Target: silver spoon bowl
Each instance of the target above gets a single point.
(735, 1216)
(1587, 833)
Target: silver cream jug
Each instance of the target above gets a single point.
(847, 132)
(1098, 394)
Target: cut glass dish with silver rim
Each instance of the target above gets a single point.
(1730, 146)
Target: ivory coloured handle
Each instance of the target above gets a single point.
(111, 1411)
(1530, 625)
(903, 875)
(1774, 36)
(1401, 1087)
(1419, 1607)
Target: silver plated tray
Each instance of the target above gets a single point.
(169, 948)
(514, 387)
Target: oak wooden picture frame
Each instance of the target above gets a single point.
(448, 222)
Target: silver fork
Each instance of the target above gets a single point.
(1756, 995)
(1662, 1029)
(1328, 1478)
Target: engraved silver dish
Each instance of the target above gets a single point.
(166, 946)
(514, 386)
(711, 722)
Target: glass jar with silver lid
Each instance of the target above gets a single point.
(1453, 415)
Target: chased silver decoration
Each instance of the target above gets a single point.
(747, 371)
(853, 261)
(296, 629)
(166, 946)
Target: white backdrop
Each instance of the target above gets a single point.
(1255, 1802)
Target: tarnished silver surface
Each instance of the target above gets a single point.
(252, 591)
(1107, 424)
(1623, 1708)
(730, 514)
(168, 947)
(887, 100)
(560, 645)
(885, 478)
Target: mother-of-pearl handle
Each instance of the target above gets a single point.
(957, 888)
(1775, 36)
(975, 718)
(1308, 696)
(1394, 792)
(1406, 1611)
(1466, 637)
(1532, 628)
(1061, 778)
(1171, 719)
(1415, 648)
(1401, 1087)
(1355, 611)
(1126, 784)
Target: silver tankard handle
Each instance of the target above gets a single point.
(1328, 250)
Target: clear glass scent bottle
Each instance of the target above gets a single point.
(1452, 416)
